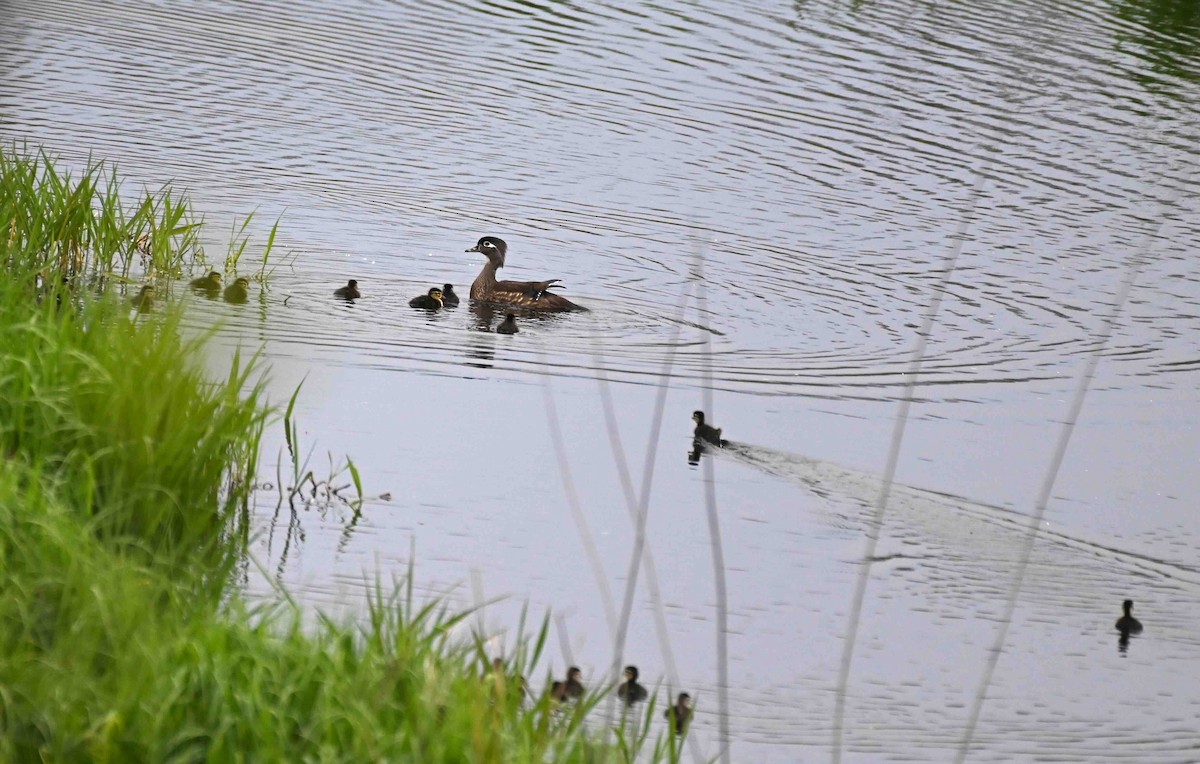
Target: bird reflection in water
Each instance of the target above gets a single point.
(1127, 626)
(484, 314)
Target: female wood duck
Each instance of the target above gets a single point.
(144, 299)
(630, 691)
(680, 714)
(1127, 624)
(705, 432)
(508, 325)
(532, 295)
(238, 292)
(571, 688)
(348, 292)
(210, 284)
(432, 300)
(449, 298)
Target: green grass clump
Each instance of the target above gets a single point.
(103, 658)
(116, 413)
(125, 479)
(78, 227)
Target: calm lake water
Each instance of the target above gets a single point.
(824, 156)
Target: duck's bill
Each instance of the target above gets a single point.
(472, 249)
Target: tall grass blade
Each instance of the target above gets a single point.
(916, 361)
(577, 514)
(1099, 343)
(724, 741)
(639, 537)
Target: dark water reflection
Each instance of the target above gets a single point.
(823, 153)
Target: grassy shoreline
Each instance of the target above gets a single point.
(125, 480)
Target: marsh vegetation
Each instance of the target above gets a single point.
(125, 481)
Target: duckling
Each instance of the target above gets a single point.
(429, 301)
(630, 691)
(508, 325)
(144, 299)
(680, 713)
(1127, 624)
(707, 433)
(449, 298)
(210, 285)
(348, 292)
(535, 295)
(571, 688)
(503, 682)
(238, 292)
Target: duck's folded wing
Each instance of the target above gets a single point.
(535, 295)
(530, 288)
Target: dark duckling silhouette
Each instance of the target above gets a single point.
(680, 714)
(1127, 624)
(705, 432)
(144, 299)
(432, 300)
(508, 325)
(210, 285)
(630, 691)
(348, 292)
(238, 292)
(532, 295)
(449, 298)
(571, 688)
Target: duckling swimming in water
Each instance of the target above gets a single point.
(144, 299)
(238, 292)
(534, 295)
(210, 284)
(680, 714)
(707, 433)
(1127, 624)
(508, 325)
(449, 298)
(630, 691)
(571, 688)
(348, 292)
(432, 300)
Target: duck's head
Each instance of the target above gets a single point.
(685, 700)
(214, 276)
(1127, 605)
(447, 290)
(698, 417)
(493, 248)
(242, 282)
(352, 283)
(435, 294)
(574, 673)
(631, 673)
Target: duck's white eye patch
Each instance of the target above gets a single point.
(489, 245)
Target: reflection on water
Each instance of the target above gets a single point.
(1165, 33)
(825, 151)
